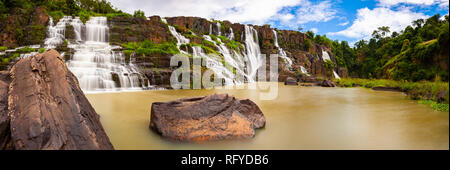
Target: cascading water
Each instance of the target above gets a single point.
(253, 52)
(304, 71)
(281, 52)
(97, 65)
(56, 33)
(231, 35)
(326, 56)
(219, 33)
(180, 38)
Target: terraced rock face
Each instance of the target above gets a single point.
(48, 110)
(207, 118)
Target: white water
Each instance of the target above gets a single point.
(281, 52)
(215, 65)
(326, 56)
(336, 76)
(219, 33)
(304, 71)
(56, 33)
(180, 38)
(231, 35)
(253, 58)
(94, 61)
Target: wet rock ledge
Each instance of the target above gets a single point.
(207, 118)
(46, 109)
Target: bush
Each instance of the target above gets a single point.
(2, 48)
(147, 48)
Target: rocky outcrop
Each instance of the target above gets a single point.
(47, 109)
(327, 83)
(5, 133)
(290, 81)
(381, 88)
(135, 29)
(207, 118)
(23, 27)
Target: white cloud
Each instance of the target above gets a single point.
(242, 11)
(368, 20)
(321, 12)
(314, 30)
(344, 23)
(388, 3)
(251, 11)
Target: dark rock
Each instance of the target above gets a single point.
(441, 96)
(5, 133)
(214, 117)
(380, 88)
(48, 110)
(327, 83)
(290, 81)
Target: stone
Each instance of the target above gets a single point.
(327, 83)
(206, 118)
(290, 81)
(48, 110)
(381, 88)
(5, 133)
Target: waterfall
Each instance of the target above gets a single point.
(304, 71)
(281, 52)
(180, 38)
(97, 29)
(215, 65)
(326, 56)
(77, 27)
(219, 33)
(336, 75)
(252, 52)
(97, 65)
(231, 35)
(56, 33)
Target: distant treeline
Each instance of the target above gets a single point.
(419, 52)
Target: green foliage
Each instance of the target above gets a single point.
(415, 54)
(139, 14)
(147, 48)
(26, 50)
(436, 106)
(42, 50)
(423, 90)
(308, 44)
(2, 48)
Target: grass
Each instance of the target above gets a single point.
(423, 90)
(435, 105)
(2, 48)
(147, 48)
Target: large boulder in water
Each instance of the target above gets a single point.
(48, 110)
(327, 83)
(290, 81)
(214, 117)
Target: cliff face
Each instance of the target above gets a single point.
(23, 27)
(156, 66)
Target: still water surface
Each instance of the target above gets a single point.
(300, 118)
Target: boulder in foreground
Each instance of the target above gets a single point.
(48, 110)
(327, 83)
(290, 81)
(207, 118)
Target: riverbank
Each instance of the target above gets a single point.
(435, 94)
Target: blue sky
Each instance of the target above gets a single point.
(349, 20)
